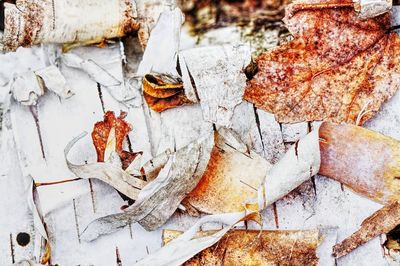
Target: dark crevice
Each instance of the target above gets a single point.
(296, 146)
(314, 185)
(101, 97)
(34, 112)
(274, 207)
(119, 261)
(257, 118)
(193, 84)
(92, 195)
(223, 257)
(129, 144)
(76, 221)
(251, 70)
(12, 249)
(130, 230)
(393, 28)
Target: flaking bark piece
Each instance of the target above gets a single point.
(102, 130)
(160, 198)
(364, 160)
(336, 67)
(30, 22)
(162, 92)
(231, 179)
(251, 247)
(382, 221)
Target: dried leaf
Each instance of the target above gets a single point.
(250, 247)
(364, 160)
(336, 67)
(161, 85)
(382, 221)
(100, 136)
(160, 104)
(108, 137)
(163, 92)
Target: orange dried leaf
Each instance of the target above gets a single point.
(163, 92)
(102, 130)
(336, 67)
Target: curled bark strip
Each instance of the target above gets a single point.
(163, 92)
(161, 86)
(382, 221)
(366, 161)
(30, 22)
(231, 178)
(107, 172)
(161, 197)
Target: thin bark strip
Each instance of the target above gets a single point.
(364, 160)
(160, 198)
(382, 221)
(107, 172)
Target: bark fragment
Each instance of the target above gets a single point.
(250, 247)
(30, 22)
(382, 221)
(366, 161)
(160, 198)
(230, 180)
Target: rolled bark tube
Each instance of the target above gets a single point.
(29, 22)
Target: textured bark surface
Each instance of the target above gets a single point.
(248, 247)
(230, 180)
(30, 22)
(364, 160)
